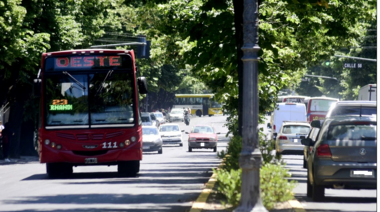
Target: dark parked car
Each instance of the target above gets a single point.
(344, 156)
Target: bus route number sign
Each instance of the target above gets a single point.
(60, 105)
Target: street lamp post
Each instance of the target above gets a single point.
(250, 159)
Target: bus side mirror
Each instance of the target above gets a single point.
(37, 87)
(143, 87)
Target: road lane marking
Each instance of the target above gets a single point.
(296, 205)
(200, 203)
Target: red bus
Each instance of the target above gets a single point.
(317, 107)
(89, 112)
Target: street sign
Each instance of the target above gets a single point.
(352, 65)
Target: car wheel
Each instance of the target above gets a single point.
(309, 187)
(190, 149)
(180, 144)
(318, 192)
(160, 151)
(215, 149)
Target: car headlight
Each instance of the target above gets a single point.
(212, 139)
(157, 141)
(192, 139)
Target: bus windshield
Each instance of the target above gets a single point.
(322, 105)
(89, 99)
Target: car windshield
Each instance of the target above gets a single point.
(352, 132)
(158, 115)
(150, 131)
(353, 110)
(169, 128)
(295, 129)
(145, 119)
(203, 129)
(322, 105)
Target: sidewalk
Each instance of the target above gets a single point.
(21, 160)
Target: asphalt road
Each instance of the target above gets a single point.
(167, 182)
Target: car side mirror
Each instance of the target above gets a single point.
(186, 132)
(218, 133)
(182, 130)
(316, 124)
(274, 135)
(306, 142)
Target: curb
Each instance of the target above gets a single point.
(200, 203)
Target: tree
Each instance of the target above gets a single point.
(293, 35)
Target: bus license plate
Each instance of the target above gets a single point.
(90, 160)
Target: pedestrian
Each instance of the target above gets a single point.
(7, 134)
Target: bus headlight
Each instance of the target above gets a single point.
(53, 144)
(127, 142)
(133, 138)
(121, 144)
(47, 141)
(59, 146)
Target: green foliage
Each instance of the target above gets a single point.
(229, 185)
(274, 185)
(231, 155)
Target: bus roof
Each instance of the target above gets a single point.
(88, 51)
(193, 95)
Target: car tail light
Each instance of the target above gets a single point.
(283, 138)
(274, 127)
(323, 151)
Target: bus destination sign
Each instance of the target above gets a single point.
(87, 62)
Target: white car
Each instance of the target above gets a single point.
(289, 137)
(176, 114)
(171, 134)
(151, 139)
(159, 116)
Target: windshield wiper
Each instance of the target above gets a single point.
(75, 80)
(109, 73)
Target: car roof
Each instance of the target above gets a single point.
(356, 103)
(351, 118)
(302, 123)
(169, 124)
(154, 127)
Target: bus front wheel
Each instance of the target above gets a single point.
(58, 170)
(198, 113)
(128, 168)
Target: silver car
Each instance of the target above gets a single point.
(289, 137)
(171, 134)
(344, 156)
(151, 139)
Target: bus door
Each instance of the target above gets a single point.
(206, 105)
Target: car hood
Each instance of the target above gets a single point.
(170, 133)
(202, 135)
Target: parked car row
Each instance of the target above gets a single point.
(341, 151)
(200, 137)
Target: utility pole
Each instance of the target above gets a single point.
(250, 159)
